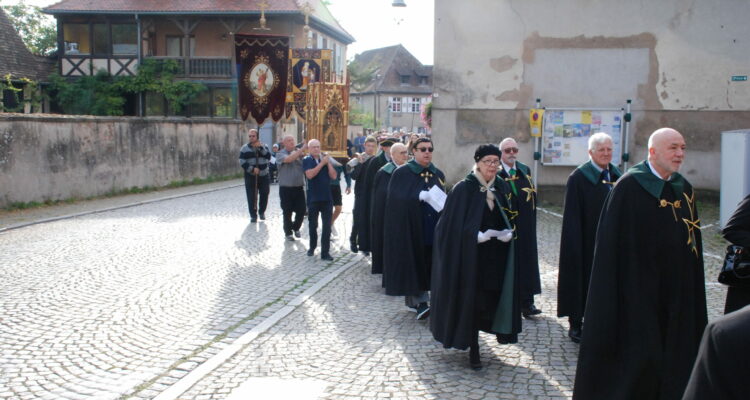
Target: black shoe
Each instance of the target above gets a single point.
(253, 219)
(503, 338)
(297, 234)
(353, 245)
(290, 238)
(423, 311)
(575, 334)
(310, 252)
(262, 217)
(530, 311)
(366, 253)
(474, 362)
(326, 257)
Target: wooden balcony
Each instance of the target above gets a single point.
(202, 67)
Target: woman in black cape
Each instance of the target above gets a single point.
(474, 274)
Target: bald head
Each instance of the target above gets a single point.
(666, 151)
(399, 153)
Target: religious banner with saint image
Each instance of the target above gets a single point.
(262, 74)
(306, 66)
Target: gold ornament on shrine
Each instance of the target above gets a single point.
(327, 112)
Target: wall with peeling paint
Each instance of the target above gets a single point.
(52, 158)
(673, 58)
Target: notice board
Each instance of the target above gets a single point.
(565, 134)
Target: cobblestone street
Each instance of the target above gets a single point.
(184, 298)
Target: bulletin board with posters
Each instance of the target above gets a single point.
(566, 132)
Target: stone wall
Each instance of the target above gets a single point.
(45, 157)
(674, 60)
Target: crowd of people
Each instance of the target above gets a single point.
(631, 276)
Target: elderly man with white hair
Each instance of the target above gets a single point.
(523, 200)
(587, 188)
(646, 306)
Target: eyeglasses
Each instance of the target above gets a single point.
(423, 149)
(509, 150)
(491, 163)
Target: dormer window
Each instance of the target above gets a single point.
(423, 81)
(405, 79)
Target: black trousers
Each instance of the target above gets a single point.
(292, 201)
(325, 209)
(261, 197)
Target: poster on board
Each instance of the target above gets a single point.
(565, 134)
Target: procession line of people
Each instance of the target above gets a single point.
(630, 278)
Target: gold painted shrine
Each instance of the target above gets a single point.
(327, 112)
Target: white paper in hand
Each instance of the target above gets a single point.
(437, 198)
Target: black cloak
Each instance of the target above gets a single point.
(358, 174)
(646, 308)
(525, 221)
(719, 371)
(379, 192)
(585, 193)
(406, 268)
(737, 232)
(368, 181)
(456, 268)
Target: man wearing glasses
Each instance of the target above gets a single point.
(523, 199)
(409, 226)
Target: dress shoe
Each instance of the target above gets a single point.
(262, 217)
(474, 361)
(575, 334)
(310, 252)
(353, 245)
(506, 338)
(423, 311)
(253, 219)
(366, 253)
(326, 257)
(297, 234)
(530, 311)
(290, 238)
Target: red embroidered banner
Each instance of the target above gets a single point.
(262, 74)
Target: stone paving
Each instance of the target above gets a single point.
(126, 303)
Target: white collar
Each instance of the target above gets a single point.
(507, 167)
(598, 168)
(656, 173)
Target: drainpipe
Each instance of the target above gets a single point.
(139, 105)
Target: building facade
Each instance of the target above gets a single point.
(682, 64)
(400, 87)
(116, 37)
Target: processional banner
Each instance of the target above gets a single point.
(262, 74)
(327, 111)
(306, 66)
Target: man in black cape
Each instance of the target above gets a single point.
(646, 307)
(462, 278)
(523, 199)
(399, 156)
(357, 167)
(409, 227)
(585, 192)
(722, 360)
(368, 181)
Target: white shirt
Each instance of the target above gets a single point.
(507, 168)
(656, 173)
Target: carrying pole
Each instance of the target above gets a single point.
(537, 153)
(625, 153)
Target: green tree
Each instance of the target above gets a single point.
(88, 95)
(357, 116)
(360, 75)
(160, 76)
(37, 30)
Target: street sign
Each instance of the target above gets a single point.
(738, 78)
